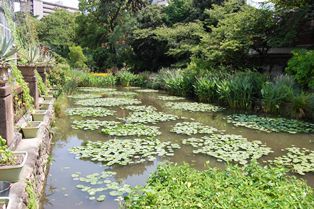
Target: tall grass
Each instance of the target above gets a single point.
(275, 94)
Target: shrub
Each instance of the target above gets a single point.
(125, 77)
(254, 186)
(276, 94)
(244, 88)
(301, 66)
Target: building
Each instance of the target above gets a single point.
(40, 8)
(4, 26)
(160, 2)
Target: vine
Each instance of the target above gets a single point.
(18, 77)
(41, 85)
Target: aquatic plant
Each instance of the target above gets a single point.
(84, 96)
(97, 185)
(170, 98)
(140, 108)
(299, 160)
(190, 128)
(90, 111)
(193, 106)
(131, 130)
(92, 124)
(124, 152)
(107, 102)
(271, 124)
(120, 93)
(253, 186)
(150, 117)
(228, 147)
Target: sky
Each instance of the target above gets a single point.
(71, 3)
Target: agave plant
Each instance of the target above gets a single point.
(7, 50)
(32, 55)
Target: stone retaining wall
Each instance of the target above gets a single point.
(35, 170)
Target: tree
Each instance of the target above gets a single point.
(77, 58)
(57, 30)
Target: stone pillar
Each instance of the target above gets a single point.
(42, 72)
(28, 73)
(6, 114)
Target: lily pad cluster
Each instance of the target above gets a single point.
(92, 124)
(147, 91)
(84, 96)
(193, 106)
(190, 128)
(131, 130)
(300, 160)
(170, 98)
(150, 117)
(229, 148)
(97, 185)
(95, 89)
(120, 93)
(108, 102)
(90, 111)
(124, 152)
(140, 108)
(271, 124)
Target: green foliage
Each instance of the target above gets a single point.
(42, 88)
(26, 28)
(18, 77)
(125, 77)
(6, 50)
(90, 80)
(178, 10)
(276, 94)
(59, 74)
(244, 89)
(57, 30)
(32, 202)
(77, 58)
(301, 66)
(6, 155)
(31, 55)
(180, 186)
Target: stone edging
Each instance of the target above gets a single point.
(36, 166)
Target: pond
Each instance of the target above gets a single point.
(68, 170)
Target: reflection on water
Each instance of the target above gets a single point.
(61, 192)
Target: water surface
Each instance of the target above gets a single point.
(61, 192)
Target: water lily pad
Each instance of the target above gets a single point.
(123, 152)
(190, 128)
(170, 98)
(92, 124)
(300, 160)
(131, 130)
(267, 124)
(149, 117)
(120, 93)
(90, 111)
(228, 147)
(141, 108)
(108, 102)
(84, 96)
(193, 106)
